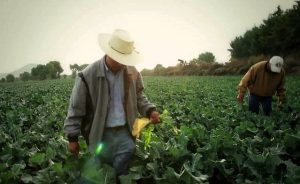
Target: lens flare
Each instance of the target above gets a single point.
(99, 149)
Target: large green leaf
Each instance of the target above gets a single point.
(37, 159)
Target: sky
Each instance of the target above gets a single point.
(39, 31)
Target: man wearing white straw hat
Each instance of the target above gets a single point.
(263, 80)
(112, 89)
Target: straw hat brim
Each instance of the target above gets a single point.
(126, 59)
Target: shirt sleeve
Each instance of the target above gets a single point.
(144, 106)
(246, 81)
(281, 89)
(76, 110)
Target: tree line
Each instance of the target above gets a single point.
(196, 67)
(52, 70)
(279, 35)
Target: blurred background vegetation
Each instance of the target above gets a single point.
(278, 35)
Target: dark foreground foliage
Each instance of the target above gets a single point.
(204, 137)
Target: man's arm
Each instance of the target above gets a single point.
(244, 83)
(76, 111)
(144, 106)
(281, 90)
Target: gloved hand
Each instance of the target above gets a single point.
(280, 104)
(74, 147)
(240, 98)
(138, 125)
(154, 117)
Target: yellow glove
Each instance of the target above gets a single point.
(138, 125)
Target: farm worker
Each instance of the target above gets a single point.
(117, 94)
(263, 80)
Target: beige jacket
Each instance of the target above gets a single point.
(259, 80)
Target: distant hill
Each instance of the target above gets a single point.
(16, 73)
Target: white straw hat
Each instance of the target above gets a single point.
(120, 47)
(276, 64)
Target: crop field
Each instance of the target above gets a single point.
(205, 136)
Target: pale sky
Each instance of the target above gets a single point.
(39, 31)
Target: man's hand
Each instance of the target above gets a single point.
(240, 98)
(280, 104)
(74, 147)
(154, 117)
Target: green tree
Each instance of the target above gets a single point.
(193, 61)
(51, 70)
(39, 72)
(206, 57)
(159, 69)
(25, 76)
(54, 69)
(3, 80)
(182, 62)
(277, 35)
(10, 78)
(75, 68)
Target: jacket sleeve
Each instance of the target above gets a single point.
(281, 89)
(246, 81)
(144, 106)
(76, 110)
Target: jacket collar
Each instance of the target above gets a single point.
(100, 70)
